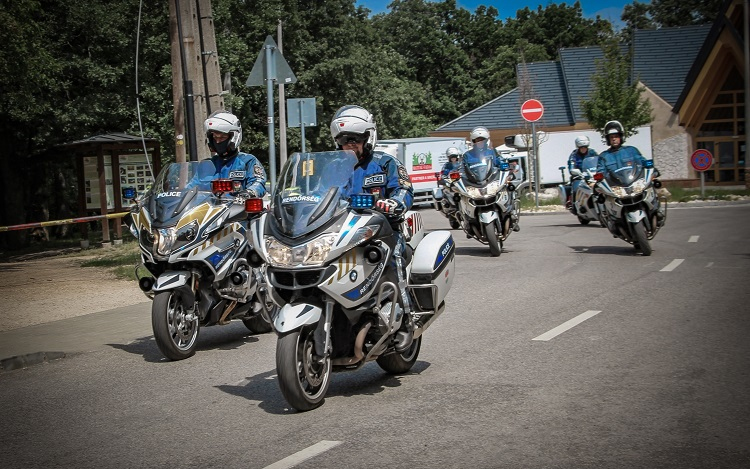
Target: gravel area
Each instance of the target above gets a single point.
(42, 290)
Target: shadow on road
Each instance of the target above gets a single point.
(213, 338)
(625, 250)
(367, 381)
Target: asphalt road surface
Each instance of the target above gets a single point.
(570, 350)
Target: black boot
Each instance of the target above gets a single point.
(405, 335)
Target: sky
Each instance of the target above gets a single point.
(607, 9)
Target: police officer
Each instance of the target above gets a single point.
(353, 128)
(575, 160)
(223, 136)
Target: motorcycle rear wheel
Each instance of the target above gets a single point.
(303, 379)
(496, 246)
(397, 363)
(175, 335)
(641, 237)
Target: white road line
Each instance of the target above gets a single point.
(305, 454)
(566, 325)
(693, 239)
(672, 265)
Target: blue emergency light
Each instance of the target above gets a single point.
(648, 164)
(128, 192)
(504, 166)
(362, 201)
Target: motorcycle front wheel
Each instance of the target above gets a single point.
(175, 330)
(490, 232)
(583, 221)
(303, 377)
(641, 237)
(397, 363)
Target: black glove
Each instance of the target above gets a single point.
(389, 206)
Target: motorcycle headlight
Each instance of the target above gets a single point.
(311, 253)
(474, 192)
(165, 238)
(492, 188)
(188, 232)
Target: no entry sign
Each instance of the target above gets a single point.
(701, 159)
(532, 110)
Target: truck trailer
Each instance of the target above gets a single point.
(423, 157)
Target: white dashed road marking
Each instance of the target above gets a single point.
(693, 239)
(566, 325)
(304, 455)
(672, 265)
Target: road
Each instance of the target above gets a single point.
(570, 350)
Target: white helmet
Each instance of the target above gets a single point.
(582, 141)
(614, 127)
(224, 122)
(453, 152)
(356, 121)
(479, 132)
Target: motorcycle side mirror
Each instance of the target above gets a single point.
(437, 175)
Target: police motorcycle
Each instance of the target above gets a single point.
(585, 206)
(487, 206)
(446, 200)
(331, 271)
(630, 203)
(194, 248)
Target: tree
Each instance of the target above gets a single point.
(615, 95)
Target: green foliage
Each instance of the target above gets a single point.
(615, 95)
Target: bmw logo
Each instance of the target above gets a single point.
(353, 275)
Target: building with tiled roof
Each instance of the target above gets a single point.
(693, 76)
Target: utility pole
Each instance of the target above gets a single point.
(202, 69)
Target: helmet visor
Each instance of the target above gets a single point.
(345, 139)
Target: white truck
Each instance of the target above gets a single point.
(555, 148)
(423, 157)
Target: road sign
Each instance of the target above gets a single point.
(276, 68)
(301, 112)
(701, 159)
(532, 110)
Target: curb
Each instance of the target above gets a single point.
(30, 359)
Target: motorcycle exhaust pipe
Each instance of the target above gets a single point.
(146, 283)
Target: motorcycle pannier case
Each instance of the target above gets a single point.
(432, 270)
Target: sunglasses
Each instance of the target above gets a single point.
(347, 139)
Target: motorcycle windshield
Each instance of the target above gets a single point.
(589, 164)
(312, 188)
(479, 165)
(626, 175)
(178, 188)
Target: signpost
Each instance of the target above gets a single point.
(270, 66)
(532, 110)
(701, 160)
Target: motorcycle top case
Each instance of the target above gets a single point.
(433, 269)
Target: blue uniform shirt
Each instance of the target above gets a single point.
(610, 160)
(241, 166)
(382, 175)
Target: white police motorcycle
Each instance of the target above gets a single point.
(487, 206)
(631, 206)
(585, 207)
(332, 272)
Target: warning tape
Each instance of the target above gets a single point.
(26, 226)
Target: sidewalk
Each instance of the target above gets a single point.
(32, 345)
